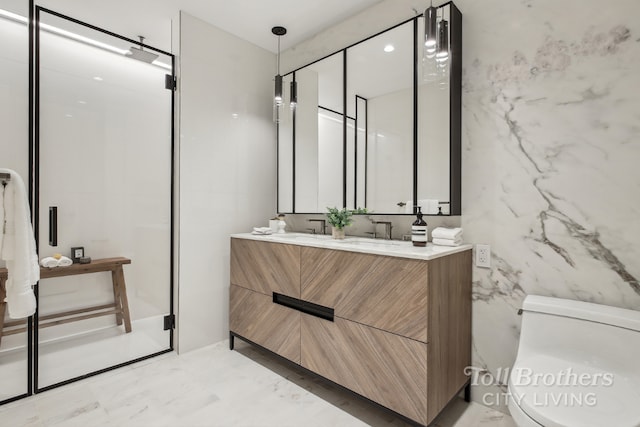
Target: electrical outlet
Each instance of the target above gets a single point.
(483, 256)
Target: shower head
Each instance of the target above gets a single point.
(140, 54)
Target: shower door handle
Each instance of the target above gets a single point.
(53, 226)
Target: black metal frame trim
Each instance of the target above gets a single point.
(337, 113)
(455, 122)
(34, 190)
(455, 112)
(344, 128)
(293, 154)
(102, 30)
(102, 371)
(414, 208)
(34, 203)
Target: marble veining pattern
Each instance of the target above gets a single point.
(551, 142)
(214, 386)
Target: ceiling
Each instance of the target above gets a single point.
(251, 20)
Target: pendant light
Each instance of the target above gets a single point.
(430, 29)
(435, 58)
(293, 94)
(278, 93)
(443, 41)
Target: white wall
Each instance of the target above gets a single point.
(227, 168)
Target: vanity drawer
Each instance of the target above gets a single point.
(256, 317)
(379, 365)
(266, 267)
(385, 292)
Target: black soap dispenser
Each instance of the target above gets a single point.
(419, 230)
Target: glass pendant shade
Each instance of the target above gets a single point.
(293, 94)
(442, 56)
(277, 98)
(443, 39)
(430, 31)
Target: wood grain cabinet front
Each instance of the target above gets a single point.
(254, 316)
(394, 330)
(388, 293)
(266, 267)
(384, 367)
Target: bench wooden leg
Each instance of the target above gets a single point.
(3, 305)
(123, 301)
(116, 298)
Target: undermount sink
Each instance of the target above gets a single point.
(395, 248)
(363, 241)
(301, 236)
(352, 241)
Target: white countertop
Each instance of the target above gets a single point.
(365, 245)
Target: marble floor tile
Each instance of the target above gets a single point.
(215, 387)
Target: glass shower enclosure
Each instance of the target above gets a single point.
(103, 156)
(15, 339)
(95, 146)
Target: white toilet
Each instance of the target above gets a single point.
(578, 365)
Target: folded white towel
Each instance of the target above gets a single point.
(447, 242)
(262, 230)
(429, 206)
(64, 261)
(49, 262)
(447, 233)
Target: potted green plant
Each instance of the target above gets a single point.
(339, 218)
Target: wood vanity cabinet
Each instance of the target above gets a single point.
(400, 334)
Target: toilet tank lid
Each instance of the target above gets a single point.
(614, 316)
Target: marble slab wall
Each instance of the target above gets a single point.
(551, 145)
(551, 153)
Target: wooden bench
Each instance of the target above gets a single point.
(119, 307)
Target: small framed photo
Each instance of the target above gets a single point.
(76, 254)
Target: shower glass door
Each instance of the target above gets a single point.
(14, 154)
(104, 159)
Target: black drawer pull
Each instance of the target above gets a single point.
(304, 306)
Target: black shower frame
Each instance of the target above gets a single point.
(455, 119)
(34, 193)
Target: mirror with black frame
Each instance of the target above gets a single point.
(387, 139)
(380, 84)
(310, 140)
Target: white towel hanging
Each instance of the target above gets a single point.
(18, 247)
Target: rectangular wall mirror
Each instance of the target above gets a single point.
(377, 125)
(380, 82)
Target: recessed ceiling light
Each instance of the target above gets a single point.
(82, 102)
(98, 78)
(235, 115)
(68, 115)
(389, 48)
